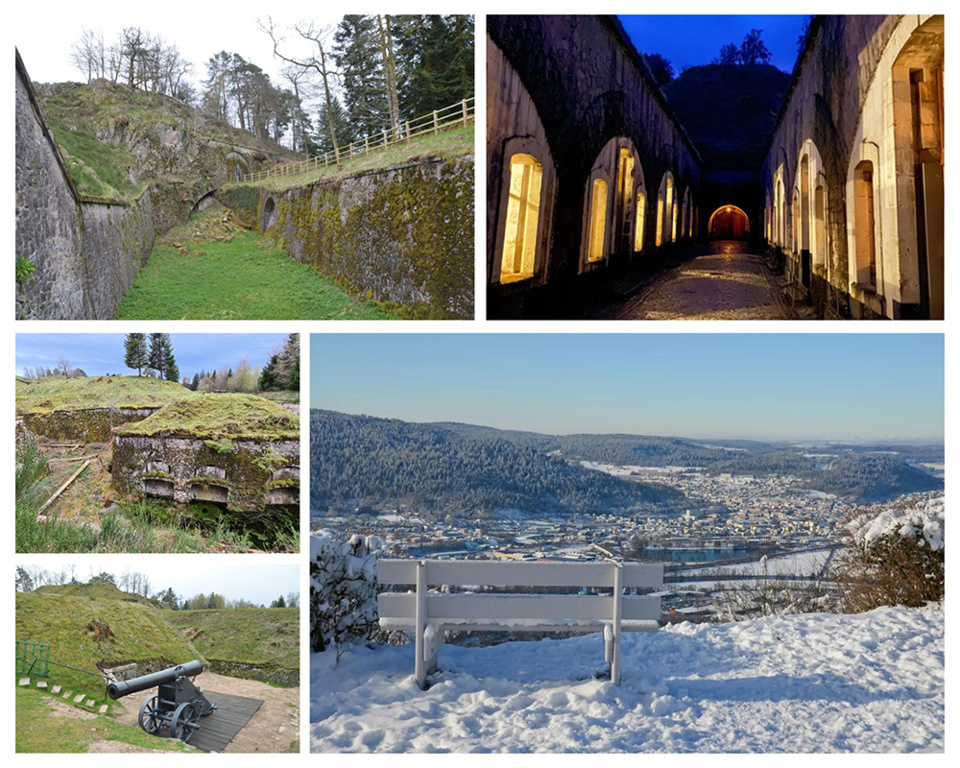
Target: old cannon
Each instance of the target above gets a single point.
(179, 704)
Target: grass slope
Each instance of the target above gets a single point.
(58, 393)
(447, 144)
(79, 113)
(246, 278)
(263, 636)
(64, 620)
(221, 416)
(41, 729)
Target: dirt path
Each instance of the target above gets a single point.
(272, 728)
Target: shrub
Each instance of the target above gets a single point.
(343, 589)
(893, 556)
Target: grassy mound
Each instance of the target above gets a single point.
(58, 393)
(260, 636)
(70, 623)
(94, 124)
(91, 591)
(230, 274)
(217, 417)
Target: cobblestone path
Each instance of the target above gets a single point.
(726, 283)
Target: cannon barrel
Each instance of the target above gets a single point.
(137, 684)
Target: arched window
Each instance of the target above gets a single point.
(523, 214)
(864, 227)
(624, 198)
(804, 240)
(598, 220)
(641, 216)
(820, 226)
(795, 222)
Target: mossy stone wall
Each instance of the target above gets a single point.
(248, 470)
(88, 425)
(402, 234)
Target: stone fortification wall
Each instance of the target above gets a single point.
(85, 252)
(846, 106)
(247, 476)
(87, 425)
(402, 234)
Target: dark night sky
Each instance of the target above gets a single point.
(693, 40)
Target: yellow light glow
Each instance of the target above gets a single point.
(598, 220)
(523, 212)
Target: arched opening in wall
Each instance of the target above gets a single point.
(623, 200)
(520, 236)
(795, 222)
(641, 217)
(820, 226)
(918, 109)
(729, 222)
(805, 204)
(670, 233)
(664, 210)
(864, 228)
(268, 216)
(598, 220)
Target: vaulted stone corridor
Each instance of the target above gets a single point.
(606, 187)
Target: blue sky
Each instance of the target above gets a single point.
(101, 353)
(691, 40)
(764, 386)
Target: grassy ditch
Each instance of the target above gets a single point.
(238, 275)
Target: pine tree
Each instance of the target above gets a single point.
(357, 52)
(135, 352)
(434, 61)
(195, 384)
(161, 357)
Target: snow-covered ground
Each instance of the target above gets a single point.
(871, 682)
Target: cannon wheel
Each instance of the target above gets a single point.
(184, 722)
(150, 719)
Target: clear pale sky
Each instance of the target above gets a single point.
(101, 353)
(692, 40)
(234, 577)
(766, 386)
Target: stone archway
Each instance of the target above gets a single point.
(268, 215)
(729, 222)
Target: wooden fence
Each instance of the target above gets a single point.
(456, 115)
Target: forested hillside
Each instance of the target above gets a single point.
(360, 461)
(357, 461)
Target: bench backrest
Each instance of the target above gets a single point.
(421, 574)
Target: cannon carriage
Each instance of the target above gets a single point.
(178, 705)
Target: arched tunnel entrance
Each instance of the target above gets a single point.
(729, 222)
(268, 216)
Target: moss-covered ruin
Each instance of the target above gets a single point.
(238, 451)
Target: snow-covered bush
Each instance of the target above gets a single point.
(343, 589)
(894, 555)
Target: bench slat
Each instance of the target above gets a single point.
(503, 608)
(532, 574)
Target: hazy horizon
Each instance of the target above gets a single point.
(765, 387)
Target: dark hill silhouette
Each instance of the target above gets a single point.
(729, 111)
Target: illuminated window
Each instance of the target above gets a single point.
(673, 228)
(523, 212)
(796, 222)
(659, 239)
(670, 208)
(598, 220)
(641, 215)
(820, 226)
(804, 240)
(863, 226)
(623, 199)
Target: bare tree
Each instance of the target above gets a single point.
(89, 54)
(317, 63)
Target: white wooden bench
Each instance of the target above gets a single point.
(430, 614)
